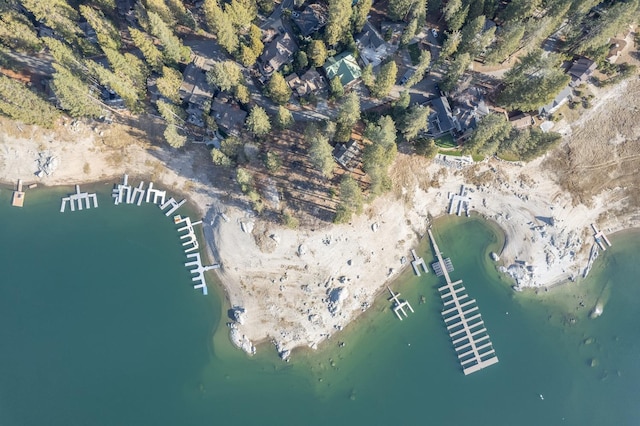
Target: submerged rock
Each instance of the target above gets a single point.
(597, 311)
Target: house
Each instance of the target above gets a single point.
(441, 119)
(345, 67)
(228, 115)
(311, 19)
(557, 102)
(392, 31)
(521, 121)
(309, 82)
(347, 154)
(616, 47)
(469, 109)
(581, 70)
(277, 53)
(372, 47)
(195, 92)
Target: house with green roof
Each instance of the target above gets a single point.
(344, 66)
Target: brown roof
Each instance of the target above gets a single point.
(307, 83)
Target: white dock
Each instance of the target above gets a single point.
(173, 204)
(399, 306)
(418, 261)
(122, 192)
(190, 235)
(600, 237)
(155, 196)
(464, 323)
(138, 194)
(459, 202)
(198, 270)
(75, 200)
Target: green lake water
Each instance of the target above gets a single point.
(99, 325)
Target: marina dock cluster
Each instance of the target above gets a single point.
(459, 202)
(75, 200)
(463, 321)
(123, 193)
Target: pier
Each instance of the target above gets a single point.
(600, 237)
(416, 262)
(190, 235)
(464, 323)
(459, 202)
(399, 306)
(198, 270)
(122, 192)
(75, 200)
(195, 266)
(437, 267)
(155, 196)
(173, 204)
(17, 199)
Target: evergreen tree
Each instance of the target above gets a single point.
(320, 154)
(450, 45)
(458, 19)
(242, 94)
(317, 53)
(247, 56)
(385, 80)
(508, 42)
(338, 22)
(399, 9)
(351, 200)
(17, 32)
(301, 62)
(174, 137)
(57, 14)
(401, 104)
(258, 121)
(182, 15)
(284, 118)
(169, 84)
(348, 115)
(421, 69)
(19, 103)
(225, 75)
(122, 86)
(367, 76)
(64, 55)
(360, 13)
(160, 9)
(151, 53)
(337, 90)
(73, 94)
(107, 34)
(409, 32)
(173, 50)
(277, 89)
(379, 154)
(241, 13)
(255, 40)
(457, 67)
(485, 140)
(470, 33)
(414, 121)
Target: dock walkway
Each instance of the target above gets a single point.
(599, 237)
(463, 321)
(75, 200)
(17, 199)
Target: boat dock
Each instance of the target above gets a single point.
(459, 202)
(437, 267)
(464, 323)
(600, 237)
(416, 262)
(75, 200)
(173, 204)
(399, 306)
(190, 235)
(17, 199)
(198, 270)
(195, 266)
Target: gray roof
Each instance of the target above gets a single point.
(194, 88)
(311, 19)
(278, 52)
(369, 37)
(581, 70)
(229, 117)
(441, 119)
(556, 102)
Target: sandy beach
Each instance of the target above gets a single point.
(297, 287)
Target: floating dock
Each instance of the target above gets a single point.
(75, 200)
(399, 306)
(173, 206)
(600, 237)
(417, 262)
(464, 323)
(122, 192)
(195, 266)
(17, 199)
(459, 202)
(437, 267)
(155, 196)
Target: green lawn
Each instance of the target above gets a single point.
(446, 141)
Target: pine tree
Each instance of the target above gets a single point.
(385, 80)
(351, 200)
(241, 13)
(277, 89)
(73, 94)
(151, 53)
(160, 8)
(415, 120)
(421, 69)
(173, 50)
(348, 115)
(450, 45)
(107, 34)
(320, 154)
(182, 15)
(409, 32)
(399, 9)
(17, 32)
(360, 13)
(19, 103)
(174, 137)
(337, 90)
(507, 43)
(338, 22)
(57, 14)
(247, 56)
(225, 75)
(284, 118)
(258, 121)
(317, 53)
(169, 84)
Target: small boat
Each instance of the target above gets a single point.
(541, 397)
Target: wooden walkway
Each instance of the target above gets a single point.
(464, 322)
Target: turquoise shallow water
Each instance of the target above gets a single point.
(99, 326)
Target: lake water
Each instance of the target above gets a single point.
(99, 325)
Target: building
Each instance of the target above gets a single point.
(345, 67)
(616, 47)
(557, 102)
(347, 154)
(311, 19)
(228, 115)
(441, 119)
(277, 53)
(581, 70)
(521, 121)
(372, 47)
(195, 92)
(309, 82)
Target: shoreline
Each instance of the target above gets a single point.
(297, 287)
